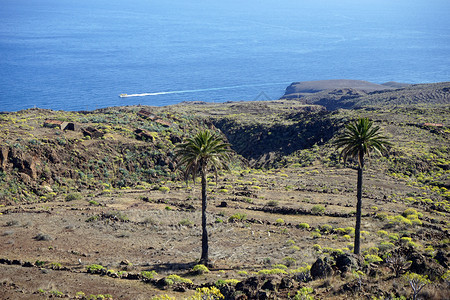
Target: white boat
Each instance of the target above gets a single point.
(123, 95)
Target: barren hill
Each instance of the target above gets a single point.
(335, 94)
(299, 89)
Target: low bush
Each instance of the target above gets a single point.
(95, 269)
(315, 235)
(164, 189)
(186, 222)
(386, 246)
(326, 228)
(303, 225)
(382, 233)
(237, 217)
(148, 274)
(73, 196)
(340, 231)
(200, 269)
(211, 293)
(271, 271)
(372, 258)
(317, 209)
(171, 279)
(279, 221)
(272, 203)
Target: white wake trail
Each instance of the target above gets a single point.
(201, 90)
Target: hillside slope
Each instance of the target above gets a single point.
(37, 162)
(356, 94)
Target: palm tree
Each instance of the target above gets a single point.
(199, 154)
(359, 139)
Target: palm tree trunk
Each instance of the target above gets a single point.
(356, 248)
(204, 259)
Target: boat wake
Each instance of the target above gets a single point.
(200, 90)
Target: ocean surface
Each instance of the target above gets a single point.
(80, 55)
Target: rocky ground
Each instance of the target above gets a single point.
(255, 225)
(99, 210)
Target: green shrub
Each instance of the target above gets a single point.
(386, 246)
(304, 294)
(412, 244)
(382, 216)
(272, 203)
(100, 297)
(382, 233)
(405, 240)
(55, 266)
(57, 294)
(304, 269)
(315, 235)
(429, 249)
(317, 247)
(289, 261)
(163, 297)
(231, 281)
(148, 274)
(186, 222)
(271, 271)
(248, 200)
(340, 231)
(73, 196)
(222, 282)
(279, 266)
(399, 220)
(279, 221)
(95, 269)
(393, 237)
(116, 215)
(347, 237)
(39, 263)
(237, 217)
(303, 225)
(200, 269)
(175, 278)
(326, 228)
(411, 211)
(372, 258)
(210, 293)
(350, 230)
(373, 250)
(164, 189)
(317, 209)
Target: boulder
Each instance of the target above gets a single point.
(320, 269)
(346, 262)
(442, 259)
(272, 283)
(418, 263)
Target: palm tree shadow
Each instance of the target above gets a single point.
(166, 267)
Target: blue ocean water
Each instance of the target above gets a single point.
(80, 55)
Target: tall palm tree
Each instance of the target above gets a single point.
(358, 140)
(200, 154)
